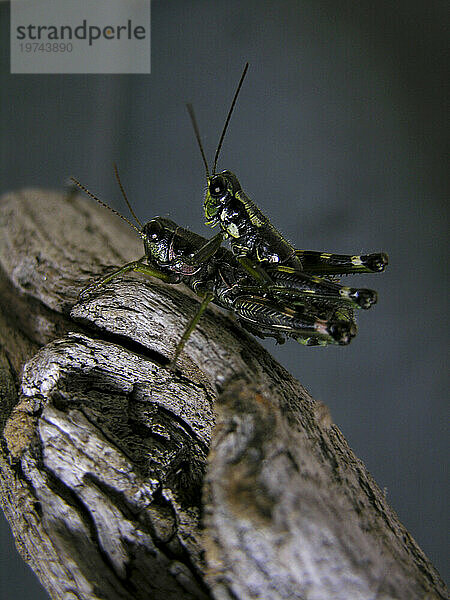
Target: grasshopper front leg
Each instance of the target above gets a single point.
(204, 253)
(190, 328)
(136, 265)
(255, 270)
(140, 266)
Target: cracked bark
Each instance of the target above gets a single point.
(105, 452)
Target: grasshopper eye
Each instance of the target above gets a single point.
(154, 230)
(217, 186)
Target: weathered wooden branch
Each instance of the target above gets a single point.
(105, 451)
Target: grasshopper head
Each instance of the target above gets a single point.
(157, 235)
(222, 187)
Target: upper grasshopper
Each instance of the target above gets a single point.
(258, 245)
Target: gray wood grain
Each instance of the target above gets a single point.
(105, 451)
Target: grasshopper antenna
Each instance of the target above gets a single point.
(236, 94)
(197, 135)
(116, 173)
(116, 212)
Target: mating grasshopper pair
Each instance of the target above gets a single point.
(273, 289)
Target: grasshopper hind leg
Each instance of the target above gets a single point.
(317, 325)
(336, 321)
(326, 263)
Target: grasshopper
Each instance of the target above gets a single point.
(309, 309)
(258, 245)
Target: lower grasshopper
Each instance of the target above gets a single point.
(298, 305)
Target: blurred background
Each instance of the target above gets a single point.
(339, 135)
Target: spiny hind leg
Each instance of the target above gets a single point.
(268, 317)
(335, 326)
(292, 285)
(325, 263)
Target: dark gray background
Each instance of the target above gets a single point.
(339, 135)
